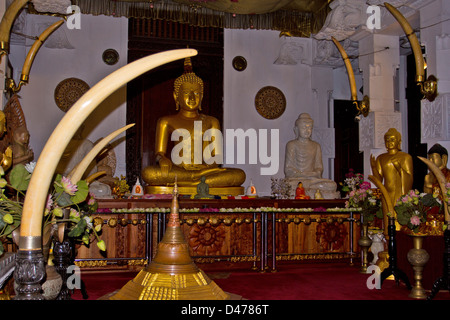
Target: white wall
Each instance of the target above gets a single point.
(51, 66)
(261, 49)
(306, 88)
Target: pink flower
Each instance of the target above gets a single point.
(365, 185)
(49, 204)
(91, 199)
(415, 220)
(68, 186)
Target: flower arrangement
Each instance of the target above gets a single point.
(364, 198)
(352, 181)
(412, 208)
(67, 203)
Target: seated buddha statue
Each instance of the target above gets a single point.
(439, 156)
(185, 165)
(300, 192)
(303, 161)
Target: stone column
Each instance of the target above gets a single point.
(435, 36)
(379, 57)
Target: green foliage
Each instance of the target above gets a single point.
(19, 177)
(63, 196)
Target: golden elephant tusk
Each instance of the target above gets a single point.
(33, 209)
(31, 56)
(364, 107)
(37, 45)
(415, 45)
(428, 87)
(94, 176)
(78, 171)
(6, 24)
(386, 201)
(348, 66)
(442, 182)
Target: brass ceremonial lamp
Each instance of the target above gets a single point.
(428, 87)
(363, 107)
(172, 274)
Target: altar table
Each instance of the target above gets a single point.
(257, 231)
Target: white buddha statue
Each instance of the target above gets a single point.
(303, 161)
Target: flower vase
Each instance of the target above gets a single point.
(364, 242)
(418, 258)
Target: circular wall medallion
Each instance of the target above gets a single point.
(239, 63)
(68, 91)
(110, 56)
(270, 102)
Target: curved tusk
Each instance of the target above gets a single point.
(6, 24)
(386, 200)
(94, 176)
(33, 209)
(442, 182)
(78, 171)
(415, 45)
(35, 48)
(348, 66)
(384, 192)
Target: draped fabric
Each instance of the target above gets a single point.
(299, 17)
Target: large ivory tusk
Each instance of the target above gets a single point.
(442, 182)
(415, 45)
(348, 66)
(6, 24)
(387, 201)
(31, 223)
(78, 171)
(35, 48)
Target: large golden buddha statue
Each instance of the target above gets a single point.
(186, 164)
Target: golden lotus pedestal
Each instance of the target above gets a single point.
(222, 191)
(172, 274)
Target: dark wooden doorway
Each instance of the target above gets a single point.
(415, 147)
(347, 154)
(150, 96)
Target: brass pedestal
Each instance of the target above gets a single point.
(222, 191)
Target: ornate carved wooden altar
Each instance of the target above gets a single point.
(227, 233)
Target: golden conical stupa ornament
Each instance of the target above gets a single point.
(172, 274)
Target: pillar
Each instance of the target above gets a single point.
(379, 57)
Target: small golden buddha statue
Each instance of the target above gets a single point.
(189, 124)
(6, 156)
